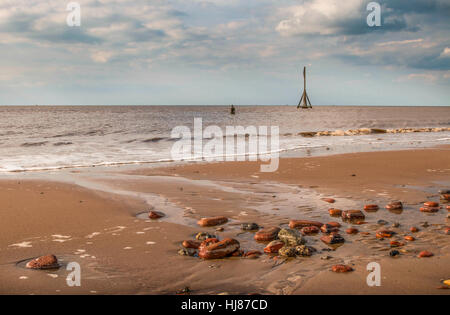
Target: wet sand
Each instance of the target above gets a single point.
(98, 223)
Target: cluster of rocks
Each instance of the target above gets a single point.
(290, 242)
(284, 242)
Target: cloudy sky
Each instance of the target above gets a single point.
(224, 51)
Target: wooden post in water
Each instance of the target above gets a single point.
(304, 100)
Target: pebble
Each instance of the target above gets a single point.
(184, 291)
(352, 215)
(303, 250)
(443, 287)
(382, 222)
(267, 234)
(371, 207)
(191, 244)
(326, 257)
(220, 229)
(341, 268)
(187, 252)
(425, 253)
(334, 224)
(155, 215)
(273, 247)
(291, 237)
(219, 249)
(429, 209)
(308, 230)
(332, 239)
(253, 254)
(351, 231)
(43, 262)
(212, 221)
(395, 224)
(414, 229)
(396, 244)
(327, 228)
(238, 253)
(394, 253)
(335, 212)
(303, 223)
(201, 236)
(385, 234)
(447, 231)
(287, 251)
(431, 204)
(395, 205)
(208, 242)
(409, 238)
(249, 226)
(329, 200)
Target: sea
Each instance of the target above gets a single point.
(55, 137)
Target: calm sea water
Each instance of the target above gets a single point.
(37, 137)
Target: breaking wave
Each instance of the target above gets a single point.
(367, 131)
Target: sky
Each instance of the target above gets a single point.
(213, 52)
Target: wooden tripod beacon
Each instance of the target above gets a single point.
(304, 100)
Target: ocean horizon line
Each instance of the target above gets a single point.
(207, 105)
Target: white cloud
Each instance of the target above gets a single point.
(101, 56)
(401, 42)
(445, 53)
(318, 17)
(423, 77)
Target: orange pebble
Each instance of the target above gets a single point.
(351, 231)
(371, 207)
(425, 254)
(335, 212)
(431, 204)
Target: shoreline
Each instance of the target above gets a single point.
(132, 254)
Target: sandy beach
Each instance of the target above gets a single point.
(99, 219)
